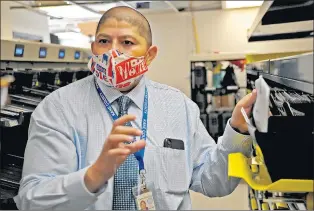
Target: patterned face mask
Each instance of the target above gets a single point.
(116, 69)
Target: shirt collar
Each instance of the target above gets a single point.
(136, 94)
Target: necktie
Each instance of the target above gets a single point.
(126, 176)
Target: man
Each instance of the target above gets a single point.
(76, 156)
(143, 205)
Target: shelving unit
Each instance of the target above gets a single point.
(295, 72)
(35, 78)
(290, 73)
(277, 20)
(295, 84)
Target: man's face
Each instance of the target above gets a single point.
(119, 35)
(143, 205)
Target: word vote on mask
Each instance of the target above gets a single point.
(116, 69)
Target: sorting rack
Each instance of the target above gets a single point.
(33, 82)
(239, 166)
(295, 72)
(265, 192)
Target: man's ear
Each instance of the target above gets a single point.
(151, 54)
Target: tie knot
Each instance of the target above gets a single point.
(124, 103)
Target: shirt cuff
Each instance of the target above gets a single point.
(233, 141)
(76, 188)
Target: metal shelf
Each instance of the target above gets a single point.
(299, 85)
(252, 72)
(277, 20)
(298, 67)
(222, 91)
(295, 71)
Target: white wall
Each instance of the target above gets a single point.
(226, 31)
(6, 25)
(171, 36)
(23, 21)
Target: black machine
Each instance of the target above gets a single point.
(26, 92)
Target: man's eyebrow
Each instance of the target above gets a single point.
(103, 35)
(128, 36)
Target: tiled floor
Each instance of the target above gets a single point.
(238, 200)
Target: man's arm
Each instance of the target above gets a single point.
(210, 160)
(51, 178)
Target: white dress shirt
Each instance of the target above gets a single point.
(68, 130)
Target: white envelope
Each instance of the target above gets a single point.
(261, 106)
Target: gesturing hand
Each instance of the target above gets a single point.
(114, 153)
(237, 119)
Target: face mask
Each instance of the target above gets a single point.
(116, 69)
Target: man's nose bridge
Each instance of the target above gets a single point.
(115, 45)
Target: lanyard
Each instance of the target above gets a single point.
(139, 155)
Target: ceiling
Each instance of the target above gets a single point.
(82, 16)
(153, 5)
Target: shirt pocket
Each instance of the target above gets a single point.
(167, 168)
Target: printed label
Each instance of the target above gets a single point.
(129, 69)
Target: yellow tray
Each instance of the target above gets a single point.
(239, 166)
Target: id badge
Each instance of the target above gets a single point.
(143, 194)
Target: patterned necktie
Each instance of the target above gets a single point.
(126, 176)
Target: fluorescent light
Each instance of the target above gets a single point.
(73, 39)
(70, 12)
(241, 4)
(102, 7)
(71, 36)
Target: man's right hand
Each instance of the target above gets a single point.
(114, 153)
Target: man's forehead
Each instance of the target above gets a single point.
(113, 23)
(125, 17)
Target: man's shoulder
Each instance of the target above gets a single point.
(162, 87)
(176, 96)
(170, 91)
(73, 91)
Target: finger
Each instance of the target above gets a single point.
(136, 146)
(252, 98)
(120, 160)
(249, 99)
(126, 131)
(118, 138)
(124, 119)
(119, 152)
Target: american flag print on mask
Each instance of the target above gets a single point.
(116, 69)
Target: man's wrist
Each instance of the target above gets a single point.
(94, 179)
(238, 129)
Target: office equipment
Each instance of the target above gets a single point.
(42, 52)
(277, 20)
(19, 50)
(38, 71)
(61, 54)
(77, 55)
(286, 149)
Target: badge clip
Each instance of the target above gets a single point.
(143, 178)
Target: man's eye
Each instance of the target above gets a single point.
(103, 41)
(127, 42)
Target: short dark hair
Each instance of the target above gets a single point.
(131, 16)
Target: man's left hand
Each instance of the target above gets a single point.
(237, 120)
